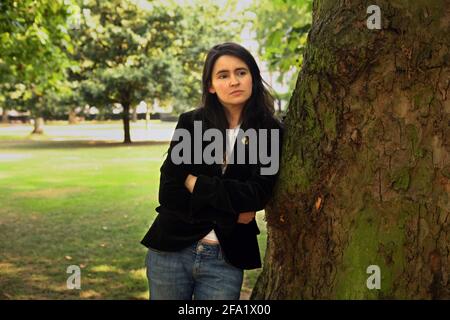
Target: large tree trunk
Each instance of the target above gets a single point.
(126, 122)
(72, 117)
(38, 125)
(365, 174)
(134, 115)
(5, 115)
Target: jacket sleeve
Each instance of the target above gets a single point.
(173, 196)
(179, 172)
(232, 196)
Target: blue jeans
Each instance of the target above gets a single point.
(198, 272)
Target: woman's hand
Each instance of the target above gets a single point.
(189, 183)
(246, 217)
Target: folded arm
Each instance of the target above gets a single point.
(232, 196)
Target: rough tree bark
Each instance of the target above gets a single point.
(126, 122)
(365, 174)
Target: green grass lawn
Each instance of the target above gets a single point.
(82, 203)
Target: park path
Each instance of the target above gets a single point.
(155, 131)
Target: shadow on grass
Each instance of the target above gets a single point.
(34, 266)
(75, 144)
(37, 280)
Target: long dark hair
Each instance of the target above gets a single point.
(260, 106)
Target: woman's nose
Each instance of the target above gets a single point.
(234, 80)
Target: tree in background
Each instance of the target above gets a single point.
(281, 28)
(123, 54)
(33, 53)
(365, 176)
(204, 24)
(128, 53)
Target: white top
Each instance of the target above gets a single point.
(231, 137)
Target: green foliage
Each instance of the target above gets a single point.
(281, 28)
(60, 54)
(33, 35)
(128, 53)
(33, 51)
(119, 50)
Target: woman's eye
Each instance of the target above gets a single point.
(242, 73)
(222, 76)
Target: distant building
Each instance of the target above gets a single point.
(15, 116)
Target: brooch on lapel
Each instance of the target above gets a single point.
(244, 140)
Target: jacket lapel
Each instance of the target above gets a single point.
(216, 168)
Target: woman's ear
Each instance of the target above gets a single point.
(211, 88)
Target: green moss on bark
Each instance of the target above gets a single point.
(374, 239)
(401, 179)
(329, 124)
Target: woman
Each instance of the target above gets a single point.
(205, 234)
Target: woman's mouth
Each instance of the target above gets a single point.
(236, 92)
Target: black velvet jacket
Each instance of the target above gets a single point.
(215, 202)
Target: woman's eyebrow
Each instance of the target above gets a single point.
(237, 69)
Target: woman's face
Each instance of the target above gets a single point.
(231, 80)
